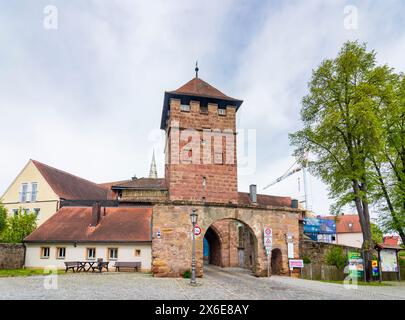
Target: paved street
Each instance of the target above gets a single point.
(217, 284)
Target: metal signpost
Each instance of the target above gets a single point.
(268, 243)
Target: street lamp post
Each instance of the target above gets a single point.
(193, 217)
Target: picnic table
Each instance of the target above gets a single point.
(86, 266)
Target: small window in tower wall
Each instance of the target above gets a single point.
(222, 112)
(218, 158)
(204, 109)
(185, 107)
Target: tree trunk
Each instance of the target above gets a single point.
(364, 218)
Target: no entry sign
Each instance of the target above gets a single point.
(197, 230)
(268, 238)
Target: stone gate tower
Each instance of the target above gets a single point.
(200, 126)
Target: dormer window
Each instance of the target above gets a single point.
(185, 108)
(222, 112)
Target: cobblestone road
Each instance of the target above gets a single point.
(217, 284)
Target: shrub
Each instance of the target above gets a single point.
(306, 260)
(19, 226)
(336, 257)
(187, 274)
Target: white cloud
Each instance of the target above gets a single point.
(87, 98)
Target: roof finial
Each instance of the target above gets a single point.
(196, 69)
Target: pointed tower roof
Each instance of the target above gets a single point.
(199, 90)
(153, 171)
(198, 87)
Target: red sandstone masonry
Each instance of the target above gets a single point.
(185, 180)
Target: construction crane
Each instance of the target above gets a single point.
(292, 171)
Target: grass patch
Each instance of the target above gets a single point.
(362, 283)
(24, 272)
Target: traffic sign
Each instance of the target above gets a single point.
(268, 237)
(197, 230)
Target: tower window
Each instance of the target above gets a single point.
(185, 107)
(222, 112)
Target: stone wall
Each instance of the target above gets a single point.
(11, 256)
(317, 251)
(171, 253)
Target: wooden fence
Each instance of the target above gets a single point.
(332, 273)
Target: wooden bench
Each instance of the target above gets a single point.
(100, 265)
(71, 265)
(127, 265)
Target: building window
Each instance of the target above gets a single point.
(222, 112)
(91, 253)
(24, 192)
(61, 253)
(185, 107)
(137, 253)
(204, 109)
(36, 211)
(218, 158)
(34, 191)
(15, 212)
(45, 252)
(113, 253)
(26, 211)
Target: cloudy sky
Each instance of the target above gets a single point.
(87, 96)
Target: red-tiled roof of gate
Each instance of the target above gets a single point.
(143, 184)
(68, 186)
(265, 200)
(72, 224)
(198, 87)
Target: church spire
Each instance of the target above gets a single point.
(153, 171)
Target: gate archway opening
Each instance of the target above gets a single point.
(230, 243)
(276, 261)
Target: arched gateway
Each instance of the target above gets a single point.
(233, 237)
(230, 243)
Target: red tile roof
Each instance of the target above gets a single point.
(72, 224)
(198, 87)
(142, 184)
(265, 200)
(68, 186)
(391, 240)
(348, 223)
(108, 185)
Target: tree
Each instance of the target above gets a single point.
(3, 218)
(389, 164)
(336, 257)
(19, 226)
(376, 233)
(342, 130)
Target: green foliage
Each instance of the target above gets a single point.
(187, 274)
(336, 257)
(19, 226)
(306, 260)
(376, 233)
(343, 128)
(3, 218)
